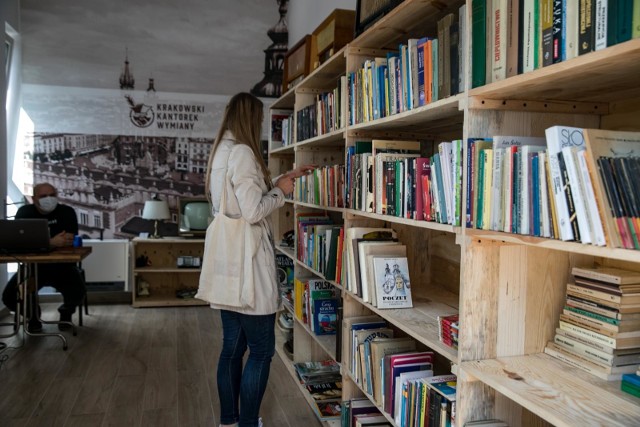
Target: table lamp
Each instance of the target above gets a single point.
(156, 210)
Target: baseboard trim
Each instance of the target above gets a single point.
(94, 298)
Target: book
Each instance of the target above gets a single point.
(325, 391)
(605, 373)
(328, 409)
(349, 256)
(392, 282)
(618, 342)
(381, 347)
(325, 316)
(559, 137)
(578, 196)
(478, 42)
(631, 357)
(393, 249)
(351, 324)
(612, 275)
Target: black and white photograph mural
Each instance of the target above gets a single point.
(124, 98)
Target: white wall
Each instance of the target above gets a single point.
(303, 16)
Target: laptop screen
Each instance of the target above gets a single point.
(24, 236)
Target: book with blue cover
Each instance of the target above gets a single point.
(325, 317)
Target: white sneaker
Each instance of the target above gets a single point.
(260, 422)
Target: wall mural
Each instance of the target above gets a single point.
(109, 150)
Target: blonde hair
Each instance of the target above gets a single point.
(243, 118)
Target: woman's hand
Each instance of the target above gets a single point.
(300, 171)
(285, 183)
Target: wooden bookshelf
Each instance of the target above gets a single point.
(509, 289)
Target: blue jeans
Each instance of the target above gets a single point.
(246, 386)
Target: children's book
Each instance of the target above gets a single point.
(325, 320)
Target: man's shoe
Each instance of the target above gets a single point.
(64, 317)
(34, 326)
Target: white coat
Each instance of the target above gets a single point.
(249, 197)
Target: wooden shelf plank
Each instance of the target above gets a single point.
(412, 222)
(602, 76)
(540, 242)
(318, 274)
(287, 149)
(444, 114)
(557, 392)
(333, 139)
(324, 208)
(421, 321)
(286, 251)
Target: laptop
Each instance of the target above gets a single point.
(24, 236)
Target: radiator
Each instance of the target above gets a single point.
(107, 267)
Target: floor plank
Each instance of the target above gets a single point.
(131, 367)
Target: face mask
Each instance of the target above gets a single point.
(48, 204)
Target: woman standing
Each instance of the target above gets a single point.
(237, 168)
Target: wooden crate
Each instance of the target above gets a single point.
(334, 33)
(298, 62)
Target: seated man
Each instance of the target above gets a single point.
(64, 277)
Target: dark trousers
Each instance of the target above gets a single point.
(65, 278)
(241, 390)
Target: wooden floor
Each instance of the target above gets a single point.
(131, 367)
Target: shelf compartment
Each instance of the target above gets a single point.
(421, 321)
(440, 116)
(555, 391)
(559, 245)
(326, 75)
(326, 342)
(409, 19)
(286, 101)
(600, 76)
(333, 139)
(288, 363)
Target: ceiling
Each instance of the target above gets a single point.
(186, 46)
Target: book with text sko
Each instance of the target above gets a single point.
(393, 286)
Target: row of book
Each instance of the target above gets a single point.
(557, 187)
(376, 267)
(422, 71)
(324, 186)
(511, 37)
(326, 114)
(599, 327)
(631, 383)
(361, 412)
(316, 304)
(282, 126)
(320, 244)
(396, 376)
(393, 178)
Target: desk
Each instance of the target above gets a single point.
(29, 261)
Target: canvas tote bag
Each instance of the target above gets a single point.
(227, 268)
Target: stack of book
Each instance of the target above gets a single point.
(631, 383)
(324, 383)
(448, 330)
(599, 328)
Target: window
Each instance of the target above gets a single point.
(84, 218)
(97, 220)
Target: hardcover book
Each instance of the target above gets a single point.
(393, 286)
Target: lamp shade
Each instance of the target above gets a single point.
(156, 209)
